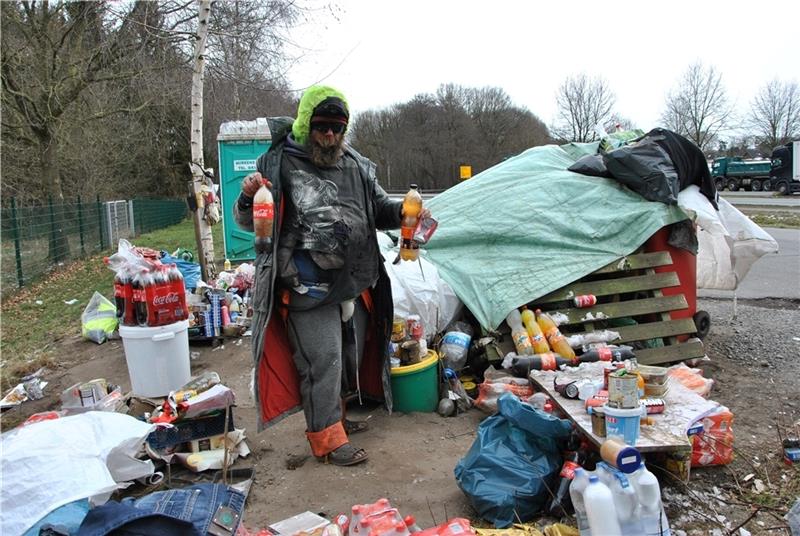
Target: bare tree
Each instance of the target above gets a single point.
(775, 113)
(698, 107)
(583, 103)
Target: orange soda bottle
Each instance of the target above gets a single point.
(554, 337)
(538, 341)
(412, 206)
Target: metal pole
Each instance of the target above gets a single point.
(53, 244)
(132, 220)
(17, 253)
(108, 222)
(80, 226)
(100, 220)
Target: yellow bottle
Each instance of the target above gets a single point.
(553, 335)
(227, 265)
(412, 206)
(538, 341)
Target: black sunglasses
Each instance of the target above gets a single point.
(336, 128)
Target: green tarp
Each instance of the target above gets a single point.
(527, 226)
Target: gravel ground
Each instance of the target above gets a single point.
(754, 359)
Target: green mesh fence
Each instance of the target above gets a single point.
(36, 239)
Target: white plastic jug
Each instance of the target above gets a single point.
(576, 489)
(600, 510)
(652, 515)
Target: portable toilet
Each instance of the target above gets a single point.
(240, 143)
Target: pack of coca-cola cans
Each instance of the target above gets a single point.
(152, 296)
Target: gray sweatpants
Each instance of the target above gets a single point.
(327, 354)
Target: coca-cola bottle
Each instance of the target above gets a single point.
(177, 286)
(263, 216)
(139, 284)
(522, 365)
(561, 503)
(607, 353)
(120, 287)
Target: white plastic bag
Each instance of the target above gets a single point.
(729, 242)
(417, 289)
(51, 463)
(99, 319)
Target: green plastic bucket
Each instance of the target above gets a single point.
(416, 387)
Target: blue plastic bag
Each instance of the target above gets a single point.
(189, 270)
(513, 462)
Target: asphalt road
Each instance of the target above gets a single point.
(762, 199)
(772, 276)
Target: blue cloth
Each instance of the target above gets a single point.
(176, 512)
(64, 520)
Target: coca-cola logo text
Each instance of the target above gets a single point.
(172, 297)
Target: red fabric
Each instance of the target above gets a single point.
(278, 380)
(327, 440)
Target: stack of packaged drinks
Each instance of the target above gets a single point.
(146, 292)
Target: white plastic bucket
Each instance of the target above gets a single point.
(623, 423)
(157, 357)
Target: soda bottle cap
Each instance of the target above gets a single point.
(413, 186)
(410, 520)
(356, 508)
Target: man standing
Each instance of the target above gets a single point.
(324, 276)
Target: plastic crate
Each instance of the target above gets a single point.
(189, 430)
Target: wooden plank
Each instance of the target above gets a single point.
(651, 439)
(609, 287)
(638, 261)
(671, 353)
(626, 308)
(654, 330)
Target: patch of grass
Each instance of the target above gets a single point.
(35, 318)
(783, 220)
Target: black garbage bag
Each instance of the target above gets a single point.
(641, 167)
(512, 465)
(591, 164)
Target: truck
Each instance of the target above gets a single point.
(735, 173)
(784, 177)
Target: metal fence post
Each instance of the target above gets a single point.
(100, 220)
(17, 252)
(131, 219)
(80, 226)
(53, 243)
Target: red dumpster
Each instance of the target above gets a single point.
(684, 264)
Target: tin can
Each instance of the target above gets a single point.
(598, 422)
(398, 329)
(585, 300)
(623, 390)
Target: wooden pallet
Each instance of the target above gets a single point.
(628, 288)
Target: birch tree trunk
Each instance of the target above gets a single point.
(205, 241)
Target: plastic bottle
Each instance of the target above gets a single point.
(355, 519)
(607, 353)
(139, 284)
(519, 334)
(622, 492)
(538, 341)
(455, 345)
(263, 217)
(576, 491)
(561, 503)
(411, 523)
(412, 206)
(554, 337)
(654, 520)
(227, 265)
(600, 511)
(522, 365)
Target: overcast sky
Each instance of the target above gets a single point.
(382, 52)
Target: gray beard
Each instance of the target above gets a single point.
(325, 157)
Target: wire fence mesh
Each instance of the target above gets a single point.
(37, 239)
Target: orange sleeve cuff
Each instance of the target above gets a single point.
(326, 441)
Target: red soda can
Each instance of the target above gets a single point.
(585, 300)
